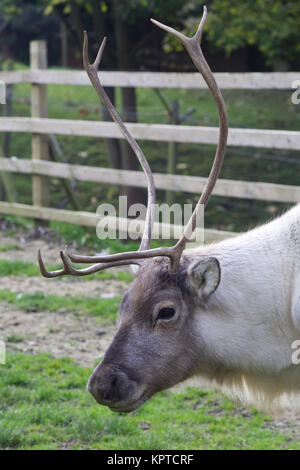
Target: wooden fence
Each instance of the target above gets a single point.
(40, 126)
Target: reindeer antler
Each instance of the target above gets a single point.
(92, 71)
(193, 48)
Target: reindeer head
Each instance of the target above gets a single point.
(154, 347)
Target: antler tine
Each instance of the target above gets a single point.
(97, 61)
(59, 272)
(68, 268)
(193, 48)
(170, 30)
(184, 39)
(95, 267)
(133, 255)
(84, 259)
(198, 34)
(91, 70)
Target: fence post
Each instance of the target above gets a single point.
(7, 188)
(39, 109)
(174, 118)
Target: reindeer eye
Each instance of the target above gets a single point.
(166, 313)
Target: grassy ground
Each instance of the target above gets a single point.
(105, 309)
(44, 405)
(23, 268)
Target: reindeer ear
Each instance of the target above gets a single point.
(205, 276)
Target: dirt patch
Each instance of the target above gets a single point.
(59, 334)
(68, 286)
(287, 424)
(29, 248)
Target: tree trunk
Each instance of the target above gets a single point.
(112, 145)
(7, 188)
(63, 34)
(76, 21)
(98, 19)
(124, 59)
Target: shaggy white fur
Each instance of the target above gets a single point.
(253, 317)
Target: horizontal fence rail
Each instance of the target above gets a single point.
(155, 132)
(191, 80)
(39, 126)
(90, 220)
(189, 184)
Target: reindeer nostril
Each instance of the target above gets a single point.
(106, 395)
(111, 389)
(114, 382)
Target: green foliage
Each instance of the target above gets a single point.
(24, 21)
(134, 13)
(10, 8)
(272, 25)
(131, 11)
(171, 11)
(50, 6)
(45, 405)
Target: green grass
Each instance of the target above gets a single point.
(105, 310)
(10, 246)
(18, 268)
(45, 405)
(24, 268)
(14, 339)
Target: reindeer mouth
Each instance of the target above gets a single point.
(132, 406)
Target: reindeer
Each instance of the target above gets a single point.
(229, 311)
